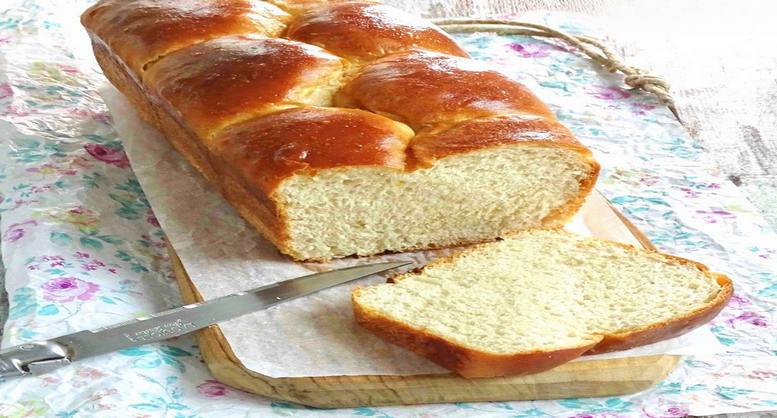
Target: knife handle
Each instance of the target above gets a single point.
(32, 358)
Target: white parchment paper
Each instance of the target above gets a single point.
(315, 335)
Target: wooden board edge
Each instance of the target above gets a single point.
(590, 377)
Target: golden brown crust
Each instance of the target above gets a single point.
(234, 78)
(140, 31)
(470, 362)
(296, 7)
(425, 88)
(476, 134)
(677, 326)
(198, 86)
(271, 148)
(367, 31)
(463, 360)
(255, 205)
(257, 209)
(670, 329)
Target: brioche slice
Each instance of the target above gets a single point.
(538, 299)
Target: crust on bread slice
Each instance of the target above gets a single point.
(472, 358)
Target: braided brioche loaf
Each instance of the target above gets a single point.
(340, 128)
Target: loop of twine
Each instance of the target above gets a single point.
(635, 77)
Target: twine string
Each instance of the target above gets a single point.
(592, 47)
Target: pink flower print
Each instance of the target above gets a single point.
(86, 114)
(50, 380)
(40, 189)
(677, 411)
(762, 374)
(21, 202)
(212, 388)
(640, 108)
(16, 231)
(738, 302)
(671, 412)
(68, 289)
(79, 254)
(78, 112)
(92, 265)
(78, 216)
(96, 396)
(606, 92)
(5, 91)
(529, 49)
(91, 373)
(151, 218)
(751, 318)
(605, 414)
(689, 193)
(154, 244)
(51, 169)
(68, 69)
(714, 216)
(46, 188)
(114, 156)
(18, 111)
(72, 161)
(44, 169)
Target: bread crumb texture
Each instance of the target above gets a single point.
(464, 198)
(542, 290)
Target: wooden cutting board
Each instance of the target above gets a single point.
(594, 378)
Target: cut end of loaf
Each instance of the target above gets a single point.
(537, 299)
(433, 160)
(472, 197)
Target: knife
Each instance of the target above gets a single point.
(40, 357)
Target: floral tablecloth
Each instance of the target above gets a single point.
(82, 249)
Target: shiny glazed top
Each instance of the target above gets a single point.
(268, 149)
(425, 88)
(264, 104)
(475, 134)
(231, 79)
(367, 31)
(141, 31)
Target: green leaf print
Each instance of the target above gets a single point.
(48, 310)
(91, 243)
(61, 238)
(174, 351)
(31, 408)
(24, 303)
(111, 239)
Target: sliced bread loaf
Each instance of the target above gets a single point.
(538, 299)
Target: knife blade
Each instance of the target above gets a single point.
(39, 357)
